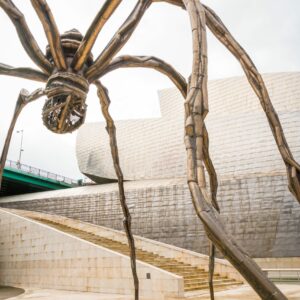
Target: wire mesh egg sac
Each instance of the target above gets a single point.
(64, 113)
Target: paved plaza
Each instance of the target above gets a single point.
(244, 292)
(58, 295)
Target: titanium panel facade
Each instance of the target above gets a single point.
(241, 142)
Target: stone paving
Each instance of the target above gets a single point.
(292, 292)
(242, 293)
(67, 295)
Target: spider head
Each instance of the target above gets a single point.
(65, 109)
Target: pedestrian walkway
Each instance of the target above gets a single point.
(245, 292)
(241, 293)
(65, 295)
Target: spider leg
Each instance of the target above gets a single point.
(161, 66)
(26, 73)
(213, 179)
(213, 183)
(29, 43)
(152, 62)
(91, 35)
(174, 2)
(196, 110)
(45, 15)
(221, 32)
(179, 81)
(111, 129)
(118, 41)
(23, 99)
(204, 144)
(213, 192)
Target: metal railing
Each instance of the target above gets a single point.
(38, 172)
(283, 275)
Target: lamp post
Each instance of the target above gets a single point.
(21, 148)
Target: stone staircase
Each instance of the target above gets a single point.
(194, 278)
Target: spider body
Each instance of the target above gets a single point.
(68, 68)
(64, 110)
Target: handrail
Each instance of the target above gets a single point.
(39, 172)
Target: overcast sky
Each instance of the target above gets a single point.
(269, 30)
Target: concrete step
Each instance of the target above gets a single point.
(194, 278)
(201, 276)
(217, 287)
(197, 281)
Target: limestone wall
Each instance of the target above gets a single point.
(35, 255)
(222, 266)
(259, 212)
(279, 263)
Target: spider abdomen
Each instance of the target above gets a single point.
(65, 109)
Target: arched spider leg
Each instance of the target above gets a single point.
(196, 110)
(111, 129)
(118, 41)
(128, 61)
(179, 81)
(26, 73)
(90, 37)
(221, 32)
(174, 2)
(161, 66)
(23, 99)
(45, 15)
(29, 43)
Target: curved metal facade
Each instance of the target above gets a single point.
(241, 142)
(256, 206)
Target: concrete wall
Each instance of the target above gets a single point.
(279, 263)
(35, 255)
(259, 212)
(222, 266)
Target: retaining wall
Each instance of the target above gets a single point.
(35, 255)
(258, 211)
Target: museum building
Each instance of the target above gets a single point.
(256, 205)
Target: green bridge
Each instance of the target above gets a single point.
(21, 179)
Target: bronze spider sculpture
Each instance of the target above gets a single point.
(68, 68)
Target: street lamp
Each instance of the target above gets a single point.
(21, 149)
